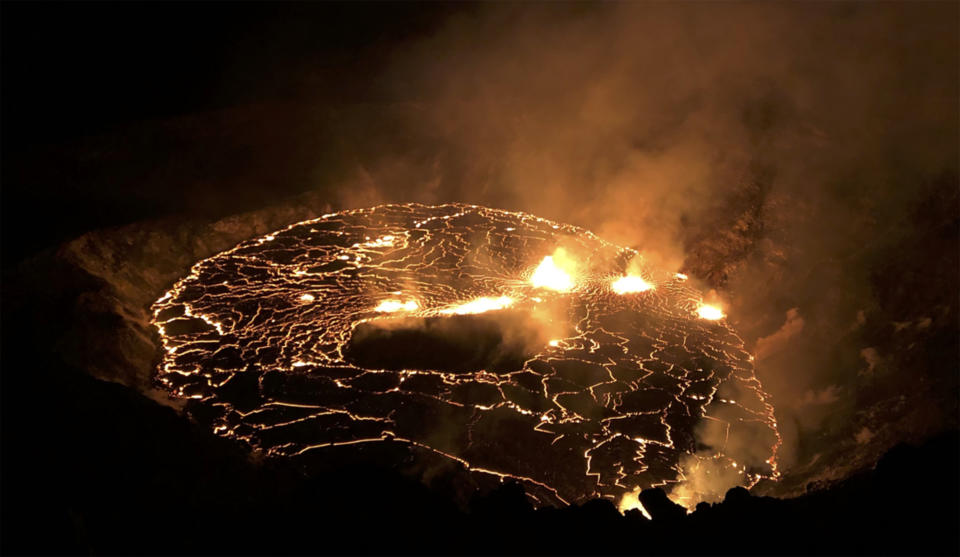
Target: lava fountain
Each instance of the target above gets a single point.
(510, 345)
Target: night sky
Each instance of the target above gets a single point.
(73, 71)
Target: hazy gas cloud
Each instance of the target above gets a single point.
(774, 151)
(638, 119)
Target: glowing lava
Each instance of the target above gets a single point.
(551, 275)
(630, 501)
(391, 306)
(712, 313)
(630, 284)
(480, 305)
(395, 350)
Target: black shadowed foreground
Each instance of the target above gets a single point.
(109, 450)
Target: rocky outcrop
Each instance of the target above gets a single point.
(127, 268)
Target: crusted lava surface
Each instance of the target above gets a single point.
(344, 331)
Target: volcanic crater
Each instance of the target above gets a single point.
(432, 329)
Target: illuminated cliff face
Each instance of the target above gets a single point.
(512, 345)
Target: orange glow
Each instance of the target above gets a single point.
(712, 313)
(554, 272)
(391, 306)
(630, 284)
(381, 242)
(480, 305)
(680, 276)
(631, 500)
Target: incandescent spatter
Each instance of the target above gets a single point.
(511, 345)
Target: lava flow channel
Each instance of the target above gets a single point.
(507, 344)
